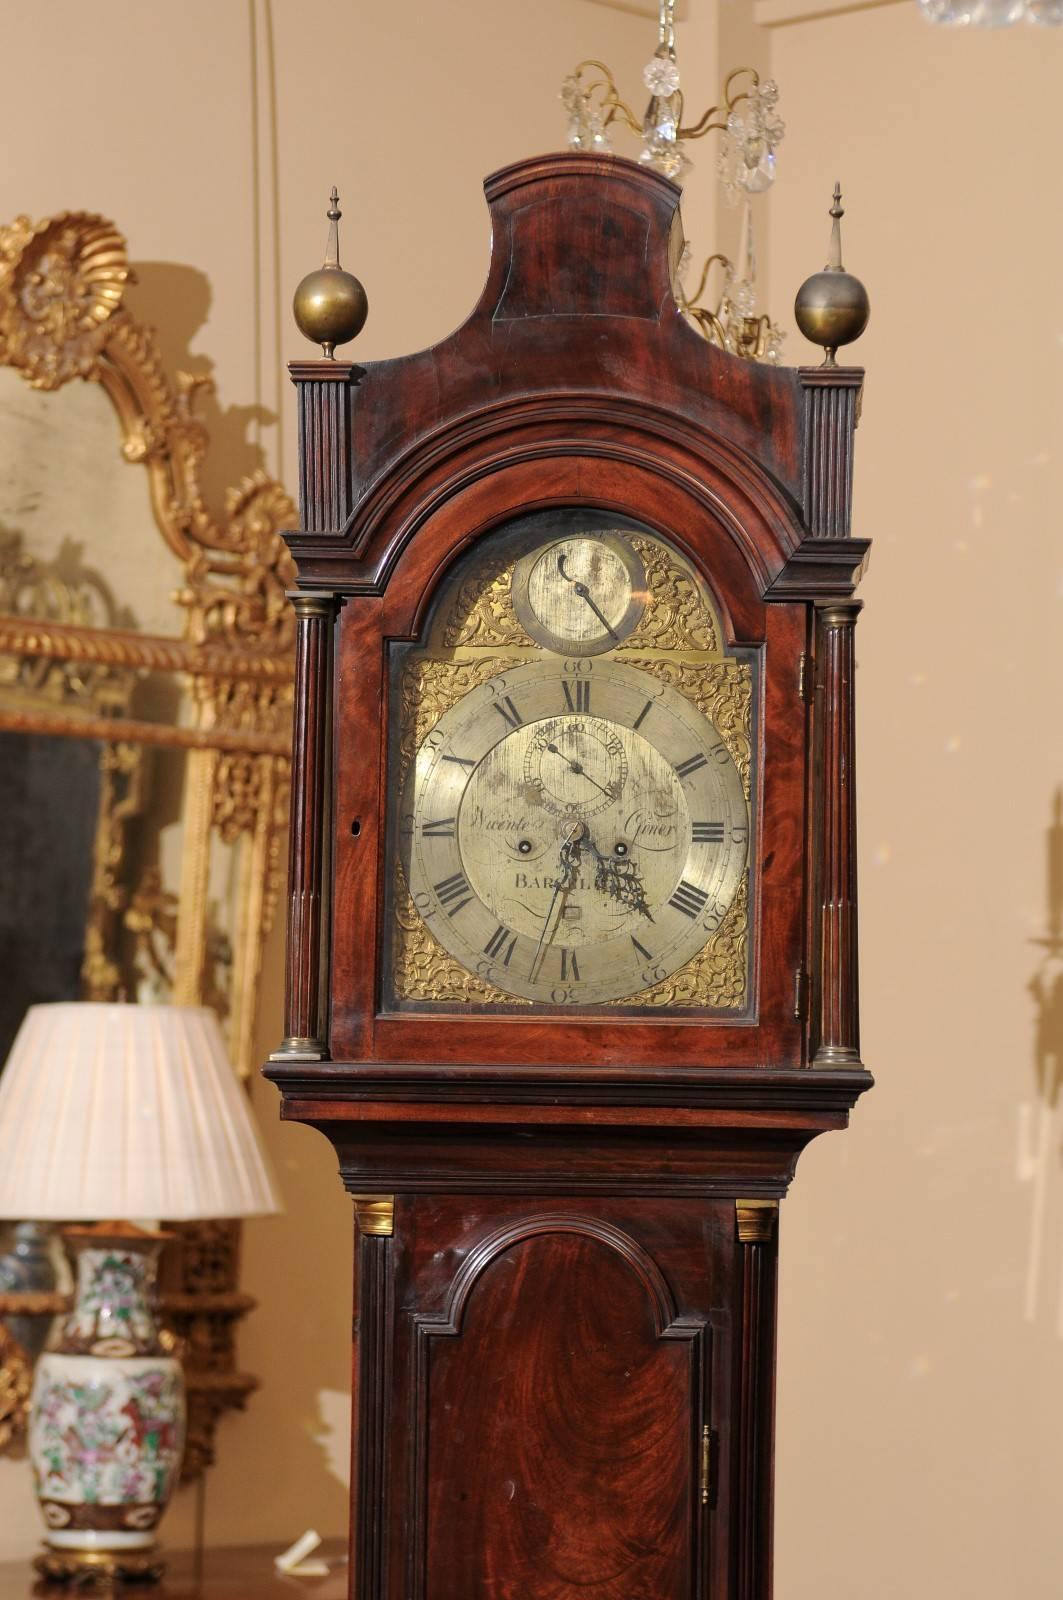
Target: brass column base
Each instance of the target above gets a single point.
(89, 1569)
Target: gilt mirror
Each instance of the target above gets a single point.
(145, 689)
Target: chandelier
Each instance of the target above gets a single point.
(993, 13)
(722, 306)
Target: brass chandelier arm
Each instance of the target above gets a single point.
(689, 302)
(611, 103)
(612, 106)
(705, 123)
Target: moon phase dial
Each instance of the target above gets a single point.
(574, 856)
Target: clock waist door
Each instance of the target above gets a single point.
(545, 1399)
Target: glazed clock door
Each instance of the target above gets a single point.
(573, 760)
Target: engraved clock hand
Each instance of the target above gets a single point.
(580, 770)
(568, 866)
(585, 594)
(619, 880)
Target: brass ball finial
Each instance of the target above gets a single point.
(832, 307)
(330, 305)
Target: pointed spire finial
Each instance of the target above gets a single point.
(834, 264)
(332, 249)
(330, 305)
(832, 307)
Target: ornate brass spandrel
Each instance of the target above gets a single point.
(717, 977)
(429, 686)
(70, 662)
(482, 614)
(423, 970)
(679, 614)
(722, 691)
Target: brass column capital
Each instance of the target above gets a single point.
(375, 1213)
(310, 603)
(756, 1220)
(839, 613)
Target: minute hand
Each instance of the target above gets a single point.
(585, 594)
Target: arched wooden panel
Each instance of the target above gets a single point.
(574, 1469)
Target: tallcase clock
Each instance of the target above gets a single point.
(572, 921)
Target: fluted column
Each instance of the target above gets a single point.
(837, 985)
(306, 983)
(832, 409)
(758, 1237)
(326, 463)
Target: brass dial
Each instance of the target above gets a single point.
(581, 595)
(574, 831)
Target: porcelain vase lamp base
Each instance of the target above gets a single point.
(108, 1416)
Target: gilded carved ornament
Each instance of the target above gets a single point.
(69, 659)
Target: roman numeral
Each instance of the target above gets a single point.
(460, 761)
(442, 828)
(643, 714)
(508, 712)
(689, 899)
(691, 764)
(707, 832)
(569, 965)
(451, 890)
(641, 948)
(581, 699)
(493, 947)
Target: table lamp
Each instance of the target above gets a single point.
(130, 1112)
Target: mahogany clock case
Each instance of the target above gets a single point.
(411, 465)
(566, 1213)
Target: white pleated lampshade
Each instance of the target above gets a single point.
(126, 1111)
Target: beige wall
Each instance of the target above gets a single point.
(211, 134)
(921, 1354)
(922, 1303)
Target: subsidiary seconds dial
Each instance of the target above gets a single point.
(573, 837)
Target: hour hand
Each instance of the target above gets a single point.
(619, 880)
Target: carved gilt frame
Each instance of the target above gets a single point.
(62, 318)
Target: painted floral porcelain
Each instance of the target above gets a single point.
(108, 1417)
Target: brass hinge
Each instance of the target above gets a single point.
(801, 987)
(803, 677)
(706, 1464)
